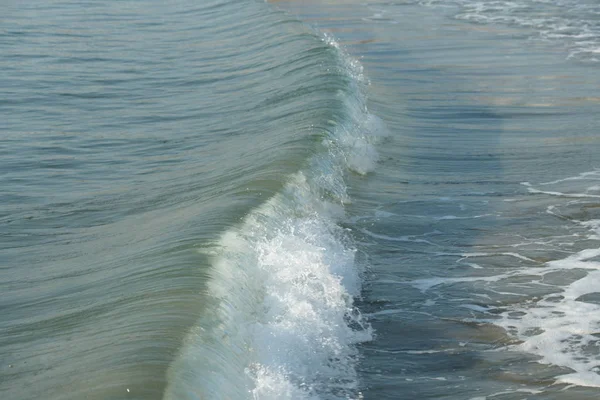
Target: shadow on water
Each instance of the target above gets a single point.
(432, 192)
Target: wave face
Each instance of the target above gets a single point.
(282, 323)
(223, 126)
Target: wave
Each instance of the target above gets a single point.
(281, 321)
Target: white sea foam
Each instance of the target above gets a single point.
(563, 327)
(282, 324)
(507, 392)
(563, 331)
(411, 238)
(573, 23)
(589, 175)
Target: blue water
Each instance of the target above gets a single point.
(300, 200)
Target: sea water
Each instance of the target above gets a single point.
(300, 200)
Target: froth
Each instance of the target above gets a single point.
(359, 145)
(569, 22)
(559, 319)
(308, 325)
(285, 284)
(353, 141)
(282, 323)
(563, 327)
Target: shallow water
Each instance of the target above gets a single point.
(480, 287)
(217, 201)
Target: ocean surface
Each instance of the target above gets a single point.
(336, 199)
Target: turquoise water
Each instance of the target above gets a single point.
(300, 200)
